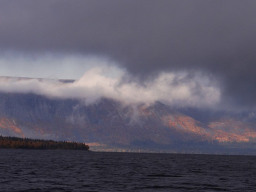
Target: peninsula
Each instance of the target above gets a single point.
(25, 143)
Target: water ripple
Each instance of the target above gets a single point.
(64, 170)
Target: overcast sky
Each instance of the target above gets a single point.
(203, 39)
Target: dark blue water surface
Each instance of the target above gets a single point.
(66, 170)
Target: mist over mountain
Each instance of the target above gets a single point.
(193, 41)
(109, 124)
(148, 75)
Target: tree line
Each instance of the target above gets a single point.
(26, 143)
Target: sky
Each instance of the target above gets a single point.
(188, 53)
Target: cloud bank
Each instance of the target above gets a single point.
(145, 37)
(175, 89)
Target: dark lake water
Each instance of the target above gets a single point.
(60, 170)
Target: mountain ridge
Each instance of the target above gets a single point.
(110, 125)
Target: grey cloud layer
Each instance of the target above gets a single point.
(146, 37)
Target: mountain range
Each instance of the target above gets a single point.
(110, 125)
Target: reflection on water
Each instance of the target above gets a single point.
(60, 170)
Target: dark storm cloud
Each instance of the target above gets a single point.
(146, 37)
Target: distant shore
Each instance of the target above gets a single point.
(26, 143)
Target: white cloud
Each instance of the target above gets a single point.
(176, 89)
